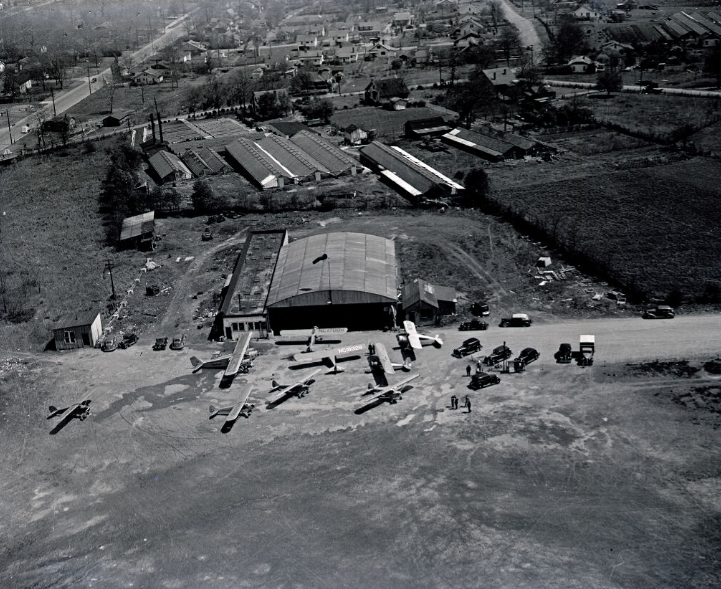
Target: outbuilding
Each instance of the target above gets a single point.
(424, 302)
(335, 280)
(77, 330)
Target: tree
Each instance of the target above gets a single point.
(302, 82)
(509, 42)
(569, 41)
(481, 55)
(110, 89)
(470, 98)
(713, 64)
(496, 13)
(204, 198)
(609, 81)
(319, 108)
(477, 188)
(240, 87)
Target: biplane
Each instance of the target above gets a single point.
(299, 389)
(381, 359)
(416, 340)
(234, 411)
(330, 357)
(233, 363)
(310, 337)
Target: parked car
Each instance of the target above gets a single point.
(109, 344)
(516, 320)
(564, 354)
(160, 343)
(469, 346)
(480, 310)
(178, 342)
(527, 356)
(129, 339)
(207, 235)
(498, 355)
(479, 381)
(474, 324)
(660, 312)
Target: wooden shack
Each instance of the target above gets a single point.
(137, 232)
(77, 330)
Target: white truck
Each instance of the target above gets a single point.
(588, 347)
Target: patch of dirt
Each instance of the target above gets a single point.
(679, 369)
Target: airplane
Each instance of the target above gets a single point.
(330, 357)
(391, 393)
(414, 338)
(310, 337)
(234, 411)
(233, 363)
(381, 359)
(299, 389)
(76, 410)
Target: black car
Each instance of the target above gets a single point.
(499, 354)
(660, 312)
(517, 320)
(160, 343)
(480, 310)
(129, 339)
(474, 324)
(483, 380)
(527, 356)
(469, 346)
(564, 354)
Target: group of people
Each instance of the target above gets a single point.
(466, 403)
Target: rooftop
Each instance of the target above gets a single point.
(76, 319)
(137, 225)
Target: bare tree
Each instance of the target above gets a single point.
(110, 89)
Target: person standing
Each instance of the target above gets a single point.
(454, 402)
(468, 370)
(468, 404)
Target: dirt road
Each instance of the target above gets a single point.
(529, 36)
(559, 477)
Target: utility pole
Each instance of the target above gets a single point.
(10, 131)
(90, 88)
(109, 268)
(52, 94)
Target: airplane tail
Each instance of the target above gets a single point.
(407, 364)
(275, 384)
(370, 386)
(213, 412)
(53, 409)
(195, 361)
(439, 341)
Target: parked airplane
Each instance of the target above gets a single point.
(330, 357)
(310, 337)
(299, 389)
(414, 338)
(76, 410)
(381, 359)
(234, 411)
(391, 393)
(233, 363)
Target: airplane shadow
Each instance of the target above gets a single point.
(368, 407)
(63, 422)
(301, 365)
(227, 427)
(380, 378)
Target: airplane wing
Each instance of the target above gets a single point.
(395, 388)
(330, 355)
(384, 358)
(285, 391)
(237, 356)
(239, 406)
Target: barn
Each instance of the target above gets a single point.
(425, 302)
(77, 330)
(335, 280)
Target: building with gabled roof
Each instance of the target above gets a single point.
(137, 231)
(167, 167)
(430, 127)
(378, 91)
(292, 157)
(489, 148)
(256, 164)
(423, 301)
(334, 159)
(204, 161)
(81, 329)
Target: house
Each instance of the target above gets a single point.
(582, 65)
(370, 29)
(424, 302)
(257, 73)
(338, 36)
(167, 167)
(307, 41)
(402, 19)
(77, 330)
(137, 232)
(60, 124)
(468, 40)
(354, 135)
(585, 12)
(314, 58)
(117, 118)
(470, 26)
(194, 47)
(346, 55)
(381, 50)
(149, 76)
(383, 90)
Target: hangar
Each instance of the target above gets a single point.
(335, 280)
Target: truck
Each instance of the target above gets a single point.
(588, 347)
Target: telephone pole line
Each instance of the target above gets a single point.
(109, 268)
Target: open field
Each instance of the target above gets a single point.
(605, 477)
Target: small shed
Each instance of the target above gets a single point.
(424, 302)
(77, 330)
(354, 135)
(117, 118)
(137, 231)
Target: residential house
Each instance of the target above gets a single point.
(502, 79)
(306, 41)
(582, 64)
(147, 77)
(370, 29)
(470, 26)
(346, 55)
(402, 19)
(468, 40)
(354, 135)
(381, 50)
(314, 58)
(383, 90)
(586, 12)
(77, 330)
(338, 37)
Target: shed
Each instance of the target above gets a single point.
(117, 118)
(430, 127)
(137, 231)
(167, 167)
(77, 330)
(334, 280)
(423, 301)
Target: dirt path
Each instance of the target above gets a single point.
(475, 267)
(529, 36)
(183, 289)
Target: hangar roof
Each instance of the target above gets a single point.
(359, 269)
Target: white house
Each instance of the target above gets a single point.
(585, 12)
(149, 76)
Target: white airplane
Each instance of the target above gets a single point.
(391, 393)
(310, 337)
(233, 363)
(299, 389)
(330, 357)
(79, 410)
(414, 338)
(381, 359)
(234, 411)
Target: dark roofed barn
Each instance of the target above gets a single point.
(431, 127)
(354, 287)
(423, 301)
(334, 159)
(77, 330)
